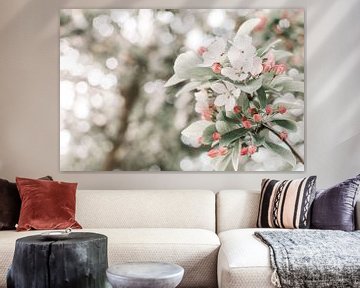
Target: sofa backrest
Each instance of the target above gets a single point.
(236, 209)
(146, 209)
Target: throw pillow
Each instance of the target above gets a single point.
(334, 208)
(10, 203)
(286, 204)
(46, 204)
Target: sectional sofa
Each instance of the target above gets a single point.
(210, 235)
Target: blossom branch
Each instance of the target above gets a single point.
(297, 155)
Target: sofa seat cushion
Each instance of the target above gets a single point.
(244, 261)
(194, 249)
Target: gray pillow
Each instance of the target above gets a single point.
(334, 208)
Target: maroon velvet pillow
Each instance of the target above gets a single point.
(10, 204)
(46, 204)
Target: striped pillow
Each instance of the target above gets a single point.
(286, 204)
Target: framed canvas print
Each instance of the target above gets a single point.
(182, 90)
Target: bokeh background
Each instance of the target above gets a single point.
(115, 113)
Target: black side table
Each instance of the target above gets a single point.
(80, 261)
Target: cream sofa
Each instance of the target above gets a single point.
(243, 261)
(175, 226)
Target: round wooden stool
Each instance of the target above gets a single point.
(78, 261)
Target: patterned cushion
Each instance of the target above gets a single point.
(286, 204)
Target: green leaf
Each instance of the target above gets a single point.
(207, 134)
(228, 117)
(281, 54)
(256, 103)
(293, 86)
(224, 127)
(279, 80)
(221, 116)
(258, 139)
(262, 51)
(262, 97)
(173, 81)
(188, 87)
(289, 105)
(184, 63)
(247, 26)
(252, 85)
(221, 163)
(227, 138)
(267, 78)
(200, 73)
(283, 152)
(244, 102)
(285, 123)
(196, 129)
(235, 154)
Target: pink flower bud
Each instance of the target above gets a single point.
(268, 109)
(266, 67)
(246, 124)
(237, 109)
(261, 24)
(213, 153)
(279, 69)
(283, 135)
(216, 68)
(244, 151)
(216, 136)
(201, 50)
(282, 109)
(206, 115)
(252, 149)
(257, 117)
(223, 151)
(269, 62)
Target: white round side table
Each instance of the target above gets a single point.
(145, 275)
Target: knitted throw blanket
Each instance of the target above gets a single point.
(313, 258)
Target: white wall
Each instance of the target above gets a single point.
(29, 94)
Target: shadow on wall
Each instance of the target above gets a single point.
(335, 56)
(43, 9)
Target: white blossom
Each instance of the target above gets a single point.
(202, 103)
(243, 59)
(227, 94)
(215, 52)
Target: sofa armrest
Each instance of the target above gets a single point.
(357, 215)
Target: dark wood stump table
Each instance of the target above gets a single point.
(79, 261)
